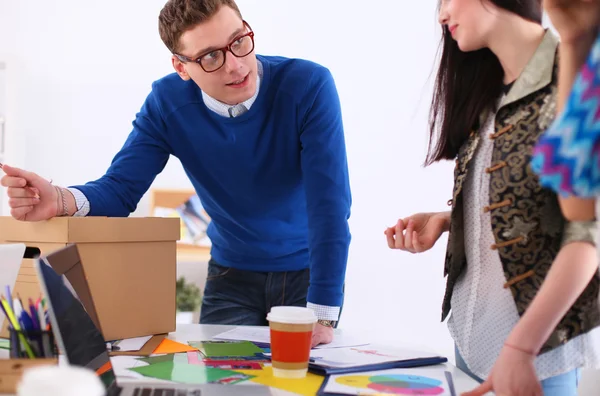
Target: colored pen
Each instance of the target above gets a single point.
(16, 308)
(29, 326)
(9, 298)
(34, 316)
(20, 300)
(5, 313)
(25, 321)
(17, 328)
(14, 320)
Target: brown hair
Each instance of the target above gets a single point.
(467, 84)
(178, 16)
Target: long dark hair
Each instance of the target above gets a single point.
(467, 84)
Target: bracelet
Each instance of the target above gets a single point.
(520, 349)
(63, 200)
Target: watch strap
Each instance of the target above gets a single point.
(326, 323)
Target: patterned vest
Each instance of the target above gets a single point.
(528, 226)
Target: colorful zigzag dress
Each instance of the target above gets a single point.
(567, 156)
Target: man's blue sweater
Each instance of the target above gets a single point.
(274, 180)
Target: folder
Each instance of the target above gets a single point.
(422, 362)
(368, 358)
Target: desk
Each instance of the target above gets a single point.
(196, 332)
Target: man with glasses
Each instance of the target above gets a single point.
(261, 139)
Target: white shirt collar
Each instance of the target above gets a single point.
(223, 109)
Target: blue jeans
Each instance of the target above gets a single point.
(560, 385)
(238, 297)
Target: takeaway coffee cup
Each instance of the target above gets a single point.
(291, 337)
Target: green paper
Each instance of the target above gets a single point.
(172, 357)
(4, 343)
(190, 373)
(226, 348)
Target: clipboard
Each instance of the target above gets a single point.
(147, 350)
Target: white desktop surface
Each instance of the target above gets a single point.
(196, 332)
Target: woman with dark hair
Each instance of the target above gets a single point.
(521, 311)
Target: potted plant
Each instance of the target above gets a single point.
(188, 300)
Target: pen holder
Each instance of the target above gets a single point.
(41, 344)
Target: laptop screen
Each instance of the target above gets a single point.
(82, 342)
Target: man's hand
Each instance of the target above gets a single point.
(31, 197)
(321, 335)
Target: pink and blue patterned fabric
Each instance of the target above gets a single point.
(567, 157)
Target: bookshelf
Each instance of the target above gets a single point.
(171, 199)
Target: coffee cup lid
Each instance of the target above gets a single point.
(292, 315)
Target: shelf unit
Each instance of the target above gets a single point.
(171, 199)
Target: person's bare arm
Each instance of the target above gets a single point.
(573, 53)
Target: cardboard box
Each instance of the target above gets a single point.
(130, 265)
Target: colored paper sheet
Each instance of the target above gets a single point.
(231, 364)
(194, 358)
(170, 346)
(4, 343)
(227, 348)
(191, 374)
(257, 358)
(172, 357)
(415, 381)
(132, 344)
(308, 386)
(104, 368)
(197, 358)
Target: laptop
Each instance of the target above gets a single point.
(11, 257)
(83, 344)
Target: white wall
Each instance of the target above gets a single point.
(85, 76)
(86, 67)
(83, 79)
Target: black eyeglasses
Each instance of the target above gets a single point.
(213, 60)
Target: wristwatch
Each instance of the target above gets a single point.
(326, 323)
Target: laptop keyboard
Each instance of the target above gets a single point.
(165, 392)
(158, 392)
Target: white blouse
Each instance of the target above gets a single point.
(483, 311)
